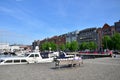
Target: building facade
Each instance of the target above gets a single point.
(106, 30)
(117, 26)
(87, 35)
(61, 39)
(4, 47)
(99, 40)
(58, 40)
(72, 36)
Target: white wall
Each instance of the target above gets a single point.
(4, 47)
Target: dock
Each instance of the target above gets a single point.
(91, 55)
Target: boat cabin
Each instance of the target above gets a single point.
(11, 60)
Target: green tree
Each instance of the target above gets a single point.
(48, 45)
(107, 42)
(116, 41)
(45, 46)
(62, 47)
(53, 46)
(92, 45)
(67, 46)
(83, 46)
(74, 46)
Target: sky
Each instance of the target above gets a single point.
(23, 21)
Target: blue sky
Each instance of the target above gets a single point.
(23, 21)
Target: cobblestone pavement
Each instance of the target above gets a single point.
(92, 69)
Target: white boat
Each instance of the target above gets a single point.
(62, 54)
(33, 57)
(12, 60)
(36, 57)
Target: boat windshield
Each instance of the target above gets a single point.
(44, 55)
(26, 55)
(1, 61)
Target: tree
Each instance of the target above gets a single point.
(107, 42)
(116, 41)
(92, 45)
(53, 46)
(48, 46)
(88, 45)
(45, 46)
(67, 46)
(62, 47)
(74, 46)
(83, 46)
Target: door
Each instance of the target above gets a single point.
(37, 58)
(31, 58)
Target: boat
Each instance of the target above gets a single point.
(12, 60)
(36, 57)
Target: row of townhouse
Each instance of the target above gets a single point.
(90, 34)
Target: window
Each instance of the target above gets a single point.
(32, 55)
(36, 55)
(16, 61)
(44, 55)
(62, 55)
(26, 54)
(23, 60)
(8, 61)
(1, 61)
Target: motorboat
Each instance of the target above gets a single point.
(12, 60)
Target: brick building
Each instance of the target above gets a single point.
(56, 39)
(101, 32)
(108, 30)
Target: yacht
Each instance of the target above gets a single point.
(12, 60)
